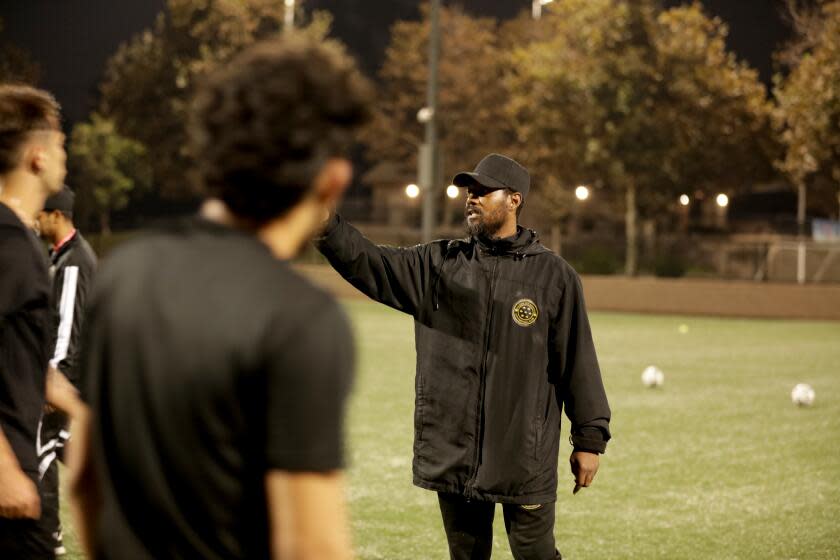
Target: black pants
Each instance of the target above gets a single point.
(53, 437)
(469, 529)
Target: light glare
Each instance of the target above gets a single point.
(452, 191)
(412, 191)
(722, 200)
(582, 192)
(684, 200)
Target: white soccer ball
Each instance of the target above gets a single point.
(653, 377)
(803, 395)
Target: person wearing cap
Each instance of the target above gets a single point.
(503, 345)
(73, 264)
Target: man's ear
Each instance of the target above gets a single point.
(515, 200)
(332, 181)
(35, 158)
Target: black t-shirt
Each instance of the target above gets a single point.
(207, 363)
(25, 335)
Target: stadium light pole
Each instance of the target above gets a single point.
(289, 16)
(429, 156)
(536, 7)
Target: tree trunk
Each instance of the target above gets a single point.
(105, 223)
(632, 255)
(557, 238)
(838, 204)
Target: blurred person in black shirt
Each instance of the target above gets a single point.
(216, 376)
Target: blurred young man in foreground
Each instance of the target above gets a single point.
(217, 376)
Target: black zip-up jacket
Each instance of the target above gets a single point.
(503, 343)
(73, 268)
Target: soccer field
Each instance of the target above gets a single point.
(717, 463)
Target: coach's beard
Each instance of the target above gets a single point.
(483, 224)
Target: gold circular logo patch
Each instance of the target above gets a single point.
(525, 312)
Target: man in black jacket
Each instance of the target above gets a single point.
(73, 265)
(503, 344)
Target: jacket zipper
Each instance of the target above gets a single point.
(481, 388)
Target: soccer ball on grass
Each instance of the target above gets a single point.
(802, 395)
(653, 377)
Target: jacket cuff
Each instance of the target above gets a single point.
(589, 444)
(329, 227)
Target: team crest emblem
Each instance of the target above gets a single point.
(525, 312)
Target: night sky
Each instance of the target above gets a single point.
(72, 39)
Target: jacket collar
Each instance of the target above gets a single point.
(57, 253)
(58, 247)
(523, 242)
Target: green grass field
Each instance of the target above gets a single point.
(715, 464)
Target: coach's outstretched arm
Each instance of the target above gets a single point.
(396, 276)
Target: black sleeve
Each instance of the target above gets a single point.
(576, 372)
(396, 276)
(68, 364)
(309, 378)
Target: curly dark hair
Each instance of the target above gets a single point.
(23, 110)
(263, 126)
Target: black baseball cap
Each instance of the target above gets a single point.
(62, 201)
(497, 172)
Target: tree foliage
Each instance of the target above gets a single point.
(149, 81)
(647, 103)
(809, 107)
(16, 64)
(106, 166)
(471, 100)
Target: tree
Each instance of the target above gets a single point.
(106, 167)
(645, 102)
(808, 115)
(149, 81)
(16, 64)
(471, 104)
